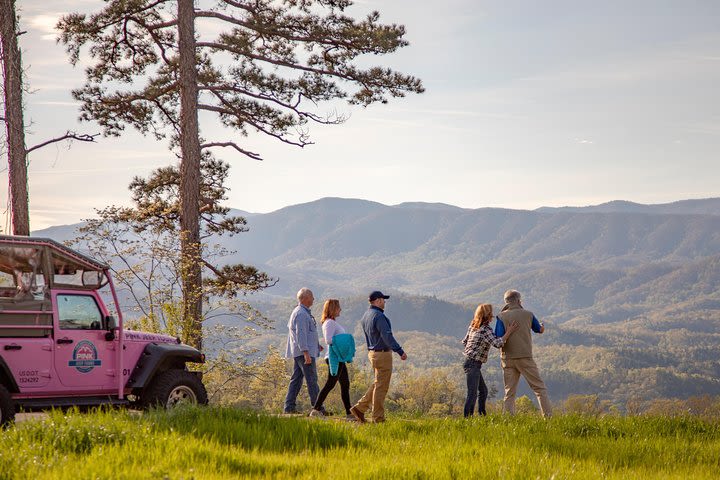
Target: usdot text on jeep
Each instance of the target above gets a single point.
(59, 346)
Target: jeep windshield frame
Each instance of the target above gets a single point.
(37, 264)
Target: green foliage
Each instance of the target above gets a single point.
(269, 86)
(235, 378)
(215, 443)
(525, 406)
(590, 405)
(434, 392)
(142, 245)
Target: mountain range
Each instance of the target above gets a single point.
(630, 293)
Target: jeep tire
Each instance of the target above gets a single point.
(7, 407)
(173, 388)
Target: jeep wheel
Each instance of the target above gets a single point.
(173, 388)
(7, 407)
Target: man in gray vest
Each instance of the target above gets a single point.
(517, 358)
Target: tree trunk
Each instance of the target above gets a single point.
(189, 174)
(14, 123)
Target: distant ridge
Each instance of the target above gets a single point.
(704, 206)
(430, 206)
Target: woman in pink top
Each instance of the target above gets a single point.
(330, 328)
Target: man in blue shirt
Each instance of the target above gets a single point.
(303, 347)
(380, 344)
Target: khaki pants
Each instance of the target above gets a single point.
(375, 395)
(512, 369)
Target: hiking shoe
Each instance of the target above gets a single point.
(360, 416)
(350, 417)
(316, 413)
(291, 412)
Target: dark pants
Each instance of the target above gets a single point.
(301, 371)
(344, 379)
(476, 388)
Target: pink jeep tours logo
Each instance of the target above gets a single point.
(85, 357)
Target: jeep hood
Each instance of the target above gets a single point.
(133, 336)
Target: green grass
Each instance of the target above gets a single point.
(215, 443)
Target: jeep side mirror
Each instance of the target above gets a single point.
(111, 323)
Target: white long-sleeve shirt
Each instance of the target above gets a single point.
(330, 328)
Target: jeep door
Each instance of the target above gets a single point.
(84, 359)
(27, 353)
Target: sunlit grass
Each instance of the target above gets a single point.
(219, 443)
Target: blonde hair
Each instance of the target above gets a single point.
(483, 316)
(331, 309)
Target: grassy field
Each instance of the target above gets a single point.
(214, 443)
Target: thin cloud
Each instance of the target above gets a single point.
(45, 24)
(710, 128)
(58, 104)
(460, 113)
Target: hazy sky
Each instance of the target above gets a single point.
(528, 104)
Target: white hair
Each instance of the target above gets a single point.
(511, 296)
(302, 293)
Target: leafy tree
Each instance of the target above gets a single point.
(141, 244)
(432, 390)
(589, 405)
(237, 379)
(525, 406)
(153, 70)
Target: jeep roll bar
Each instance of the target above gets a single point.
(119, 369)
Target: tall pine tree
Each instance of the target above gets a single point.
(275, 60)
(12, 116)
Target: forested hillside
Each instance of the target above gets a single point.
(630, 293)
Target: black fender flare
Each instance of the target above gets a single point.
(158, 357)
(7, 378)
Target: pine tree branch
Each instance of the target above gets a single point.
(286, 34)
(281, 63)
(114, 21)
(253, 155)
(232, 112)
(225, 18)
(240, 6)
(270, 282)
(250, 120)
(68, 136)
(293, 107)
(150, 28)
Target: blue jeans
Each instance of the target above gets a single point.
(476, 388)
(300, 371)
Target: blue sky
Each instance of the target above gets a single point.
(527, 104)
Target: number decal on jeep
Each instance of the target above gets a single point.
(28, 376)
(85, 357)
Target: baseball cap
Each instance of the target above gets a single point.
(377, 294)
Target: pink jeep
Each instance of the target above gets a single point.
(60, 347)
